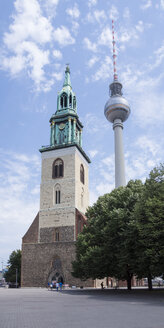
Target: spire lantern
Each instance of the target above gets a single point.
(67, 80)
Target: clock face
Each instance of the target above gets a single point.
(61, 126)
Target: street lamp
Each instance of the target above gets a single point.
(16, 277)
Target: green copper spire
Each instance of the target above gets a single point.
(66, 102)
(66, 128)
(67, 80)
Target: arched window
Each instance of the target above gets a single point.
(57, 194)
(74, 102)
(58, 169)
(57, 237)
(82, 173)
(57, 197)
(63, 100)
(70, 101)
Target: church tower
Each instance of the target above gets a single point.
(48, 247)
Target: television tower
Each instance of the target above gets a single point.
(117, 111)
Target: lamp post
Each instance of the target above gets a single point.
(16, 277)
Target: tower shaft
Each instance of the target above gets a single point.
(117, 111)
(119, 154)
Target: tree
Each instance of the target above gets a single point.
(149, 212)
(106, 247)
(14, 264)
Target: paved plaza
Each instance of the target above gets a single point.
(40, 308)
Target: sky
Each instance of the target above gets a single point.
(38, 39)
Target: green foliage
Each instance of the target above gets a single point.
(104, 248)
(150, 223)
(125, 233)
(14, 263)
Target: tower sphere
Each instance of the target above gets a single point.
(117, 106)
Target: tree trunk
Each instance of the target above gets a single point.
(129, 283)
(150, 282)
(129, 278)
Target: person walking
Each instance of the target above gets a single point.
(102, 285)
(57, 286)
(60, 284)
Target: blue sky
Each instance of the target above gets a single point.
(38, 37)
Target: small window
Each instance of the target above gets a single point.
(74, 102)
(57, 197)
(63, 100)
(58, 169)
(70, 101)
(56, 235)
(82, 173)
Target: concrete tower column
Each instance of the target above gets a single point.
(119, 154)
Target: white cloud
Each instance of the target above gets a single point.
(95, 122)
(19, 197)
(126, 13)
(147, 101)
(53, 2)
(148, 145)
(105, 69)
(16, 197)
(63, 37)
(114, 14)
(159, 56)
(25, 41)
(75, 27)
(50, 6)
(146, 4)
(90, 45)
(93, 153)
(132, 34)
(140, 26)
(92, 3)
(28, 46)
(58, 76)
(162, 4)
(28, 23)
(57, 54)
(104, 188)
(144, 154)
(93, 61)
(73, 12)
(97, 16)
(105, 37)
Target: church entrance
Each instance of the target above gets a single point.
(56, 273)
(58, 278)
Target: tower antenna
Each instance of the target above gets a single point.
(114, 54)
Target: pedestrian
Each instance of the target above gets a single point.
(61, 284)
(51, 285)
(102, 285)
(57, 286)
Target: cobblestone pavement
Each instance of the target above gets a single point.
(40, 308)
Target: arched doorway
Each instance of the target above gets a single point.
(56, 273)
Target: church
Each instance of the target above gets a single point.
(48, 247)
